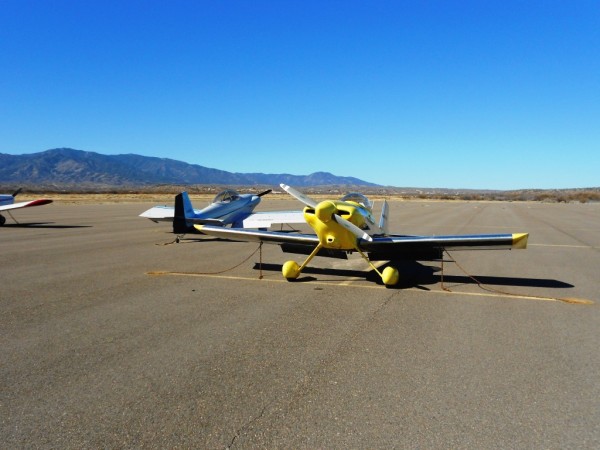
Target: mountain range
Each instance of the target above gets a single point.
(69, 166)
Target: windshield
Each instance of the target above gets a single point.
(226, 196)
(357, 197)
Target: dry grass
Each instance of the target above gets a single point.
(165, 194)
(99, 198)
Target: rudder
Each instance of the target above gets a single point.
(183, 212)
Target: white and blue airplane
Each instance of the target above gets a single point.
(227, 208)
(7, 203)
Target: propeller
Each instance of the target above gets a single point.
(264, 193)
(361, 234)
(17, 192)
(299, 195)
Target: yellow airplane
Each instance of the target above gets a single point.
(347, 225)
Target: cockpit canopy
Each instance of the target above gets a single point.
(226, 196)
(359, 198)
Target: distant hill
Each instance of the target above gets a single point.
(68, 166)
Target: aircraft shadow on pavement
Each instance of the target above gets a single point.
(198, 238)
(42, 225)
(416, 275)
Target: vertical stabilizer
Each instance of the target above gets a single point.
(383, 220)
(183, 212)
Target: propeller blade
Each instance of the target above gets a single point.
(361, 234)
(17, 192)
(264, 193)
(299, 196)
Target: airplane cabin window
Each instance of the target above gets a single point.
(226, 196)
(357, 197)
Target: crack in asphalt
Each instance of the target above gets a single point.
(297, 391)
(247, 425)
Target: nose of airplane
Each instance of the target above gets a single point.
(255, 199)
(325, 210)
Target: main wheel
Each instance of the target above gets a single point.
(390, 276)
(290, 270)
(2, 220)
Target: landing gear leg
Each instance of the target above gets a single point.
(291, 270)
(389, 276)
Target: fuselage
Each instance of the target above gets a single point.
(228, 207)
(230, 210)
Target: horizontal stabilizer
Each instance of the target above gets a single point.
(213, 222)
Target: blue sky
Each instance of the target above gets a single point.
(458, 94)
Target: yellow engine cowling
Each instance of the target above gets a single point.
(330, 233)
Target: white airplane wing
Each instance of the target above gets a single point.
(396, 244)
(390, 246)
(267, 218)
(38, 202)
(246, 235)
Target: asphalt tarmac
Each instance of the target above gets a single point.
(113, 336)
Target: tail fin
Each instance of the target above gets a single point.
(184, 211)
(383, 220)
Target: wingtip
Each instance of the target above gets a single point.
(519, 240)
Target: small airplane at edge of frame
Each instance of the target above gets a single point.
(7, 203)
(347, 225)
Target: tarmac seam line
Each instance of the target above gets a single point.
(346, 284)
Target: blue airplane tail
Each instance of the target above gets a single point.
(184, 211)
